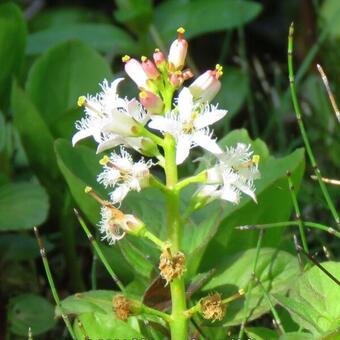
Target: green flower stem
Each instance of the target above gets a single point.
(149, 235)
(291, 223)
(142, 131)
(302, 128)
(179, 323)
(51, 283)
(199, 178)
(155, 182)
(151, 311)
(251, 285)
(271, 305)
(99, 251)
(297, 213)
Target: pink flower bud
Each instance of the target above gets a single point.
(207, 85)
(135, 71)
(176, 79)
(151, 102)
(187, 74)
(149, 68)
(158, 57)
(178, 51)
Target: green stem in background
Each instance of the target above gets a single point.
(271, 305)
(51, 283)
(199, 178)
(302, 128)
(251, 284)
(323, 227)
(297, 212)
(94, 272)
(153, 238)
(68, 231)
(99, 251)
(179, 323)
(151, 311)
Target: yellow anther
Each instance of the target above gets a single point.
(143, 94)
(256, 159)
(81, 101)
(157, 50)
(126, 58)
(219, 69)
(87, 189)
(104, 160)
(144, 58)
(181, 30)
(241, 291)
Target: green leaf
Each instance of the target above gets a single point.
(261, 333)
(35, 136)
(93, 301)
(30, 310)
(200, 16)
(64, 72)
(276, 269)
(22, 206)
(104, 326)
(330, 12)
(233, 91)
(313, 300)
(12, 45)
(297, 336)
(102, 37)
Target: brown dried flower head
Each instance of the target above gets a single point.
(171, 266)
(213, 308)
(121, 307)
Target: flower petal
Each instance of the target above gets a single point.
(81, 134)
(111, 142)
(209, 118)
(206, 142)
(164, 124)
(185, 104)
(184, 143)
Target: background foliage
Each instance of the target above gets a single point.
(53, 51)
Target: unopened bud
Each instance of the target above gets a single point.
(178, 51)
(176, 79)
(187, 74)
(212, 307)
(152, 102)
(150, 68)
(206, 86)
(135, 71)
(159, 59)
(171, 266)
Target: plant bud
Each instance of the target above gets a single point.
(178, 52)
(176, 79)
(159, 59)
(135, 71)
(206, 86)
(151, 102)
(150, 68)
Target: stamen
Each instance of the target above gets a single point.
(126, 58)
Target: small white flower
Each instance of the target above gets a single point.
(234, 173)
(108, 118)
(121, 172)
(114, 224)
(188, 123)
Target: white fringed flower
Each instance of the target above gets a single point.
(235, 172)
(109, 119)
(188, 123)
(121, 172)
(114, 225)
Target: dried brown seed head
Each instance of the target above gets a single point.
(121, 306)
(213, 308)
(171, 266)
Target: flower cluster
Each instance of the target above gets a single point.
(141, 124)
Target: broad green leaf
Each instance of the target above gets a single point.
(12, 46)
(65, 72)
(104, 38)
(199, 17)
(29, 310)
(276, 269)
(233, 91)
(298, 336)
(80, 167)
(93, 301)
(17, 247)
(22, 206)
(104, 326)
(329, 14)
(35, 136)
(318, 296)
(261, 333)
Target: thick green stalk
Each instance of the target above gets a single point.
(302, 128)
(179, 323)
